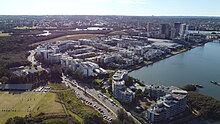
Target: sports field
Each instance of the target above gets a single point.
(21, 104)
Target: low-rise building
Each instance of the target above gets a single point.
(126, 53)
(108, 58)
(16, 87)
(87, 68)
(54, 58)
(153, 53)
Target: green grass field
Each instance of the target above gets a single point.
(34, 103)
(22, 104)
(4, 34)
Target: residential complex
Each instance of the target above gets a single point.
(171, 102)
(95, 55)
(119, 90)
(61, 53)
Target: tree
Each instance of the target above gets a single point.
(208, 107)
(145, 93)
(78, 74)
(55, 74)
(116, 121)
(138, 94)
(128, 120)
(122, 114)
(189, 87)
(123, 118)
(16, 120)
(92, 119)
(4, 79)
(68, 71)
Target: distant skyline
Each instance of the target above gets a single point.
(111, 7)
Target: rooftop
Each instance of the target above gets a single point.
(119, 74)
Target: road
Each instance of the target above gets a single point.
(31, 57)
(99, 101)
(105, 101)
(89, 99)
(99, 96)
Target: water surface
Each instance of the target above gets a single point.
(200, 65)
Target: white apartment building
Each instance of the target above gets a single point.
(120, 91)
(87, 68)
(184, 30)
(167, 106)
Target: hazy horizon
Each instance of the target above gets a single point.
(112, 7)
(108, 15)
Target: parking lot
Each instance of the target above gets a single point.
(84, 96)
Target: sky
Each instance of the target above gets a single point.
(111, 7)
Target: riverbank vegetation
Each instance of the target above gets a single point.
(189, 87)
(208, 107)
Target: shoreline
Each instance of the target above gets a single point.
(139, 66)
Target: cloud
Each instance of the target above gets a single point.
(132, 1)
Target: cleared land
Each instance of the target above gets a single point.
(22, 104)
(26, 27)
(68, 37)
(118, 33)
(4, 34)
(33, 27)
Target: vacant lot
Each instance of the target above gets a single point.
(26, 27)
(118, 33)
(69, 37)
(21, 104)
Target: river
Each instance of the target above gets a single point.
(204, 32)
(199, 66)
